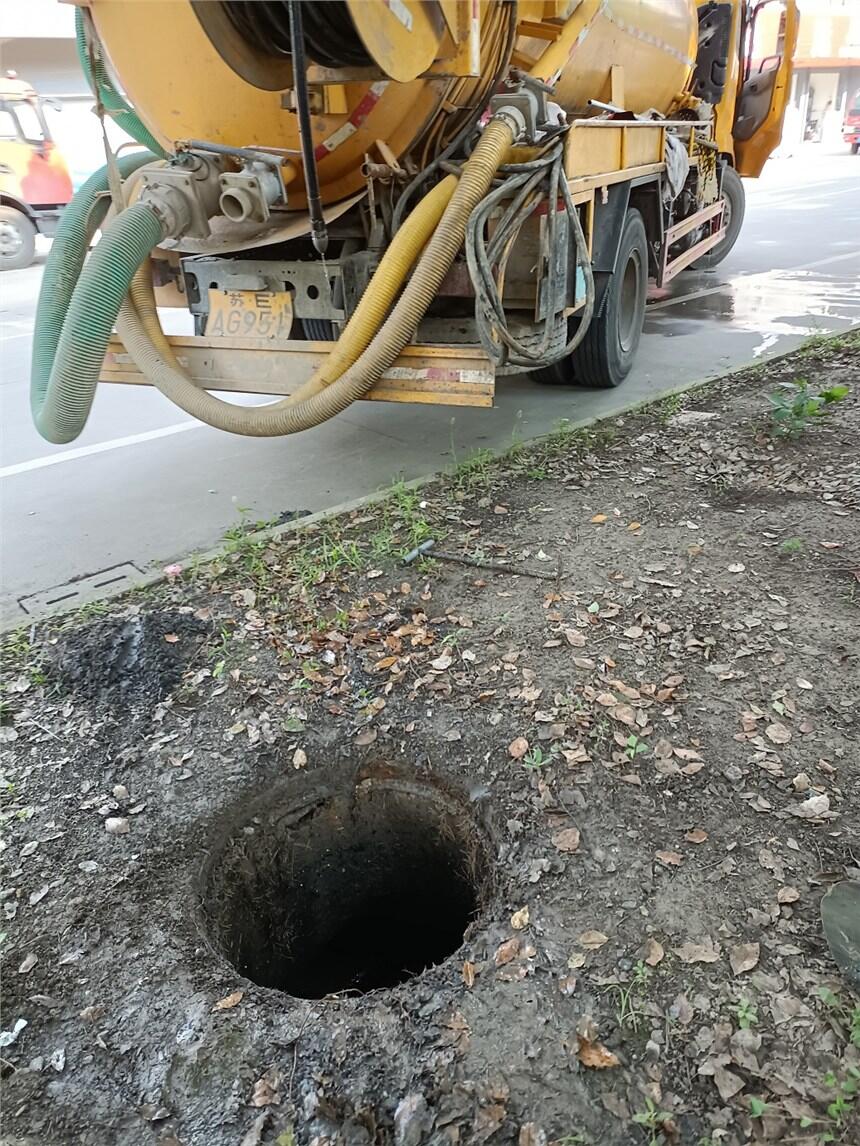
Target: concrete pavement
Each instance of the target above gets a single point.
(144, 485)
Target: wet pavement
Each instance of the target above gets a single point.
(145, 485)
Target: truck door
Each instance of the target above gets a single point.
(764, 91)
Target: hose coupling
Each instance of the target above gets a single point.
(247, 195)
(524, 106)
(184, 193)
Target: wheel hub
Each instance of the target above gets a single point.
(11, 241)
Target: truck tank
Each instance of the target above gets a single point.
(221, 71)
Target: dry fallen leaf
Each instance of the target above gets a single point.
(518, 748)
(696, 836)
(595, 1055)
(229, 1001)
(801, 682)
(778, 733)
(28, 963)
(267, 1089)
(654, 952)
(670, 859)
(787, 895)
(744, 957)
(812, 808)
(566, 840)
(520, 919)
(727, 1083)
(574, 638)
(365, 737)
(598, 519)
(469, 974)
(506, 951)
(576, 960)
(531, 1135)
(706, 952)
(591, 940)
(300, 758)
(171, 638)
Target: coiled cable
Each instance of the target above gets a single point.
(526, 186)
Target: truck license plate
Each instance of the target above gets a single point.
(250, 314)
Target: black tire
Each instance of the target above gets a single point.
(17, 240)
(604, 357)
(735, 200)
(855, 147)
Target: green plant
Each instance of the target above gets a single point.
(839, 1109)
(849, 1019)
(535, 758)
(670, 406)
(653, 1120)
(746, 1014)
(790, 546)
(793, 404)
(474, 470)
(577, 1138)
(758, 1106)
(634, 746)
(631, 997)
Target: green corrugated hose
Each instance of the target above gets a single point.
(102, 88)
(78, 223)
(60, 411)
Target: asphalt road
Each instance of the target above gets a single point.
(144, 485)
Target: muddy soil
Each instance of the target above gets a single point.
(551, 848)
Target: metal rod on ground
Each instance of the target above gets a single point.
(428, 549)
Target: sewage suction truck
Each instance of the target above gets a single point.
(396, 200)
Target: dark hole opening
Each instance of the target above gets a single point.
(374, 887)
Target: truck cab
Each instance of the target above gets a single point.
(34, 181)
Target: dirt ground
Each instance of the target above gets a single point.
(628, 781)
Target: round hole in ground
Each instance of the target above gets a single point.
(334, 887)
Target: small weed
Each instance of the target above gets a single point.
(535, 759)
(631, 997)
(577, 1138)
(652, 1119)
(746, 1014)
(758, 1106)
(839, 1109)
(634, 746)
(790, 546)
(848, 1018)
(794, 404)
(669, 407)
(474, 470)
(846, 341)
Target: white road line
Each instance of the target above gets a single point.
(96, 448)
(705, 291)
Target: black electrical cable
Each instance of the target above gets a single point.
(525, 186)
(464, 133)
(319, 231)
(329, 33)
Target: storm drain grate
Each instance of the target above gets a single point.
(81, 589)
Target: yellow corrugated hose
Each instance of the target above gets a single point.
(371, 348)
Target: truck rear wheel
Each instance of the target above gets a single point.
(604, 357)
(17, 240)
(734, 204)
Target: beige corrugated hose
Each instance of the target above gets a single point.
(137, 321)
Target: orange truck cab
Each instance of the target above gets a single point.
(34, 180)
(851, 124)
